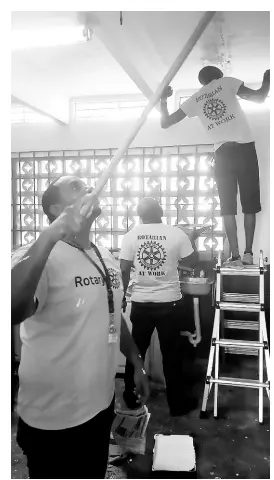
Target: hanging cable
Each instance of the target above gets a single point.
(121, 18)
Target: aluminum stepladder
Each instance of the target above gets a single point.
(240, 303)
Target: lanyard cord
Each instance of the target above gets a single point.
(105, 275)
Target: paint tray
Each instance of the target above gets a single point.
(174, 453)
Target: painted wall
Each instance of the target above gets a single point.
(102, 134)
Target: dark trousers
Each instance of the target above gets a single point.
(13, 366)
(78, 452)
(166, 318)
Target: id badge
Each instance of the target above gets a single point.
(112, 334)
(112, 337)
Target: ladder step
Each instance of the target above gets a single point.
(226, 342)
(240, 307)
(239, 382)
(240, 297)
(241, 324)
(240, 351)
(248, 270)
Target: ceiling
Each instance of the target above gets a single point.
(132, 58)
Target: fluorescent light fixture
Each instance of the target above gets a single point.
(46, 37)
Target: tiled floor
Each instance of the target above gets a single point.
(235, 446)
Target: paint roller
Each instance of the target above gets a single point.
(178, 62)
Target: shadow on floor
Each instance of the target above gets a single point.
(234, 446)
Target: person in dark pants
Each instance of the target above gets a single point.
(78, 452)
(166, 318)
(236, 164)
(13, 366)
(154, 249)
(67, 293)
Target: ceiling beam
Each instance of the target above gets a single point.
(37, 90)
(20, 101)
(106, 29)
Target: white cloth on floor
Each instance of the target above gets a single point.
(174, 453)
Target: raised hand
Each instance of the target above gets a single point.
(167, 92)
(69, 223)
(89, 202)
(196, 232)
(267, 76)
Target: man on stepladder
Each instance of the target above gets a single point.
(217, 107)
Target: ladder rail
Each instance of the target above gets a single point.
(217, 333)
(261, 372)
(246, 271)
(223, 342)
(261, 320)
(265, 340)
(241, 324)
(217, 357)
(240, 307)
(208, 385)
(240, 382)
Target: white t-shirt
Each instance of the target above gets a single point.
(218, 108)
(155, 250)
(67, 367)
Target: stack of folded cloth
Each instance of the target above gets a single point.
(129, 430)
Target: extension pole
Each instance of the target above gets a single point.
(178, 62)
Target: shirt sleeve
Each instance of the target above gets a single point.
(127, 248)
(233, 84)
(189, 107)
(185, 247)
(42, 287)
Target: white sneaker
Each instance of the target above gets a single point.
(233, 263)
(248, 259)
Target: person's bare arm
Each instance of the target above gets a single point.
(131, 352)
(126, 266)
(166, 119)
(128, 347)
(257, 96)
(190, 261)
(25, 275)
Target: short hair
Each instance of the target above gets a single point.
(209, 73)
(50, 197)
(149, 209)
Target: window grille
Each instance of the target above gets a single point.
(112, 110)
(179, 177)
(23, 114)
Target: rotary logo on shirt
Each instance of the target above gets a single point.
(152, 256)
(114, 277)
(214, 109)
